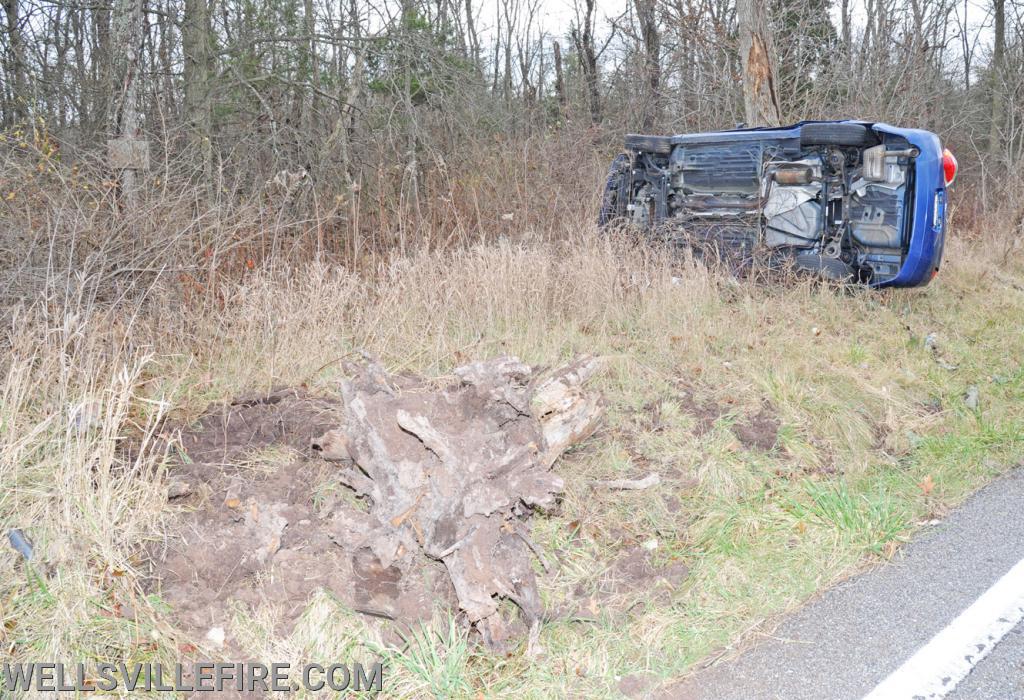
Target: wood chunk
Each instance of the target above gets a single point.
(452, 473)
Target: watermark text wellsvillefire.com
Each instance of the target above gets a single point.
(200, 677)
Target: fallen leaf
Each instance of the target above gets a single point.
(232, 499)
(926, 484)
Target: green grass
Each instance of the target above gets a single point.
(869, 521)
(432, 661)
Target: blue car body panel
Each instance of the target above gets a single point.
(928, 223)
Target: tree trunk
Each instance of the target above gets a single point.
(78, 25)
(844, 15)
(103, 78)
(473, 39)
(587, 52)
(646, 12)
(760, 101)
(196, 41)
(559, 77)
(310, 105)
(125, 122)
(527, 88)
(166, 60)
(998, 79)
(345, 127)
(15, 111)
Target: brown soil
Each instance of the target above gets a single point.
(758, 432)
(704, 413)
(258, 536)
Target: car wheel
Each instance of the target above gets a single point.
(857, 135)
(616, 191)
(661, 145)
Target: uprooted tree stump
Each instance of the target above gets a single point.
(454, 473)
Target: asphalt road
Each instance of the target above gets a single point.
(843, 644)
(1000, 676)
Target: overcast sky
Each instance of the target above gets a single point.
(556, 15)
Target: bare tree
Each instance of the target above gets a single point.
(586, 51)
(646, 12)
(125, 119)
(473, 40)
(197, 49)
(846, 24)
(15, 65)
(997, 70)
(559, 76)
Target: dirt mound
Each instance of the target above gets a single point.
(257, 517)
(285, 417)
(441, 482)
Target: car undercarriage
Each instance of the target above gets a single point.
(834, 198)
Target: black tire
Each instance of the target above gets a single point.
(616, 191)
(856, 135)
(661, 145)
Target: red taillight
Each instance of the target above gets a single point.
(949, 166)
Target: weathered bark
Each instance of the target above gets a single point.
(166, 60)
(527, 90)
(343, 135)
(506, 84)
(646, 12)
(844, 20)
(473, 39)
(311, 61)
(559, 76)
(998, 79)
(15, 111)
(197, 49)
(125, 120)
(757, 54)
(586, 50)
(453, 474)
(102, 68)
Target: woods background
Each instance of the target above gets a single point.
(306, 127)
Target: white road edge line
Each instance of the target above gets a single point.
(937, 667)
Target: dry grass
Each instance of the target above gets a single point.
(845, 372)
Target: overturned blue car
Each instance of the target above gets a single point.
(849, 200)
